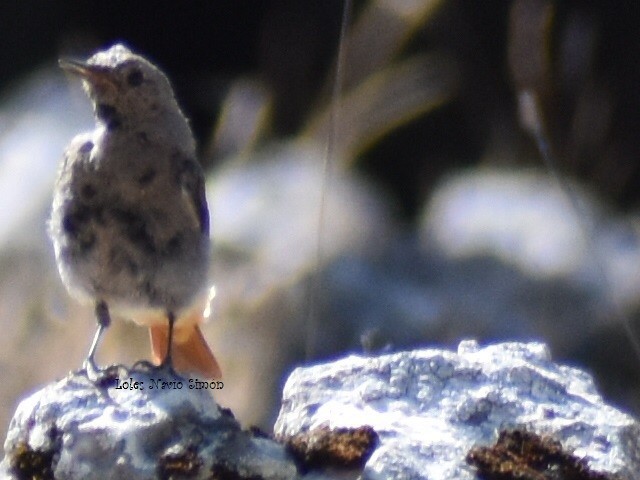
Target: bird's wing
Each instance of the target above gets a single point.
(191, 179)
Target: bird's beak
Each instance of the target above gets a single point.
(94, 74)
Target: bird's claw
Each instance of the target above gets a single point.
(103, 377)
(147, 367)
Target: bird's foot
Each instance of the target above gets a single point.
(102, 377)
(164, 369)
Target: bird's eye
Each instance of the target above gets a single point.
(135, 78)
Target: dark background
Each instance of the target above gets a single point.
(290, 44)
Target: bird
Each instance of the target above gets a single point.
(129, 220)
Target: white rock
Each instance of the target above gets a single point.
(35, 124)
(430, 407)
(525, 219)
(269, 209)
(79, 431)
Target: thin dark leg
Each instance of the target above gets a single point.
(104, 320)
(166, 366)
(167, 358)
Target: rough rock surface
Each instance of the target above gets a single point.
(430, 408)
(424, 414)
(74, 429)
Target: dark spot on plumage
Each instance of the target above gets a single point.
(76, 219)
(151, 293)
(69, 224)
(174, 244)
(183, 167)
(120, 259)
(116, 259)
(98, 215)
(154, 107)
(86, 147)
(109, 116)
(132, 266)
(143, 138)
(147, 177)
(76, 224)
(88, 191)
(135, 228)
(135, 78)
(86, 242)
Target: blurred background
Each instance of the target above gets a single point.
(440, 221)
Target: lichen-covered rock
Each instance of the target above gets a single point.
(431, 408)
(144, 425)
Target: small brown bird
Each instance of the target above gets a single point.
(130, 223)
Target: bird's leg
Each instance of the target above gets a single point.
(104, 319)
(166, 366)
(167, 362)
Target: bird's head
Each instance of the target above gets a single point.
(123, 86)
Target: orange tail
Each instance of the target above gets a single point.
(190, 352)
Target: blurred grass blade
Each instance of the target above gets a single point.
(386, 100)
(381, 31)
(243, 120)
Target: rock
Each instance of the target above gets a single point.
(155, 426)
(432, 409)
(268, 211)
(525, 219)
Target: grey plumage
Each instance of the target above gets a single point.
(129, 222)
